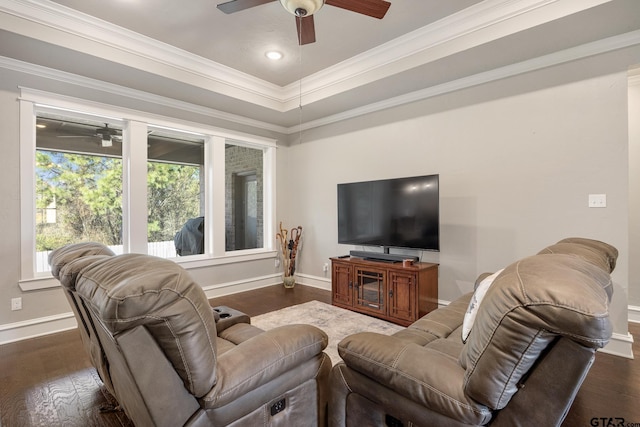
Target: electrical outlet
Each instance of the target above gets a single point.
(277, 263)
(325, 267)
(597, 200)
(16, 303)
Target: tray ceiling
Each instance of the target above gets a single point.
(201, 56)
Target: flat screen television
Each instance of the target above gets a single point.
(400, 213)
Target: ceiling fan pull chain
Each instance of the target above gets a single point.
(300, 81)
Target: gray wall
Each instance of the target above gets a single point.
(517, 160)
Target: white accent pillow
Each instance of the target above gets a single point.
(474, 304)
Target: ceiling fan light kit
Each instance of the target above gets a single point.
(302, 7)
(106, 141)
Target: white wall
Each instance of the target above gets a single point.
(634, 189)
(517, 160)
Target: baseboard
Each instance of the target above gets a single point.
(634, 314)
(241, 285)
(314, 281)
(33, 328)
(264, 281)
(620, 345)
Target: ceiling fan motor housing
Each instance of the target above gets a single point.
(302, 7)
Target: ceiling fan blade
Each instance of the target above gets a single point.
(75, 136)
(373, 8)
(238, 5)
(306, 29)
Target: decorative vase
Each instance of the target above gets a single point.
(289, 281)
(289, 241)
(287, 277)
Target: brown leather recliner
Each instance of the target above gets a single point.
(532, 343)
(154, 339)
(87, 328)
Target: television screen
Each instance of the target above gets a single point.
(401, 212)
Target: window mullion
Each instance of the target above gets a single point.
(269, 183)
(134, 197)
(216, 194)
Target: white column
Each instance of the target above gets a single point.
(215, 196)
(134, 191)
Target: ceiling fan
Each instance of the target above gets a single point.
(304, 10)
(106, 134)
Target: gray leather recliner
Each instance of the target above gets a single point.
(532, 343)
(154, 339)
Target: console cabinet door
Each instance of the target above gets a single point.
(403, 304)
(391, 291)
(342, 284)
(370, 290)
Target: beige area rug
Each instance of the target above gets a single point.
(336, 322)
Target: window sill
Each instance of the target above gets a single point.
(38, 283)
(198, 261)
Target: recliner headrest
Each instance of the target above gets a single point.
(64, 255)
(594, 251)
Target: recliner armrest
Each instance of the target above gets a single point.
(262, 358)
(226, 317)
(424, 375)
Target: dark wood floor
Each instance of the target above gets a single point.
(48, 381)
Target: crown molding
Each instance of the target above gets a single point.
(481, 23)
(595, 48)
(476, 25)
(89, 83)
(579, 52)
(52, 22)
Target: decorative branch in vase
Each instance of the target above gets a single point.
(289, 241)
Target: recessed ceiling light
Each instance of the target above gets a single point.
(274, 55)
(41, 126)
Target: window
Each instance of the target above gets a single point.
(175, 193)
(244, 192)
(135, 183)
(78, 181)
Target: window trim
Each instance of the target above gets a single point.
(135, 123)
